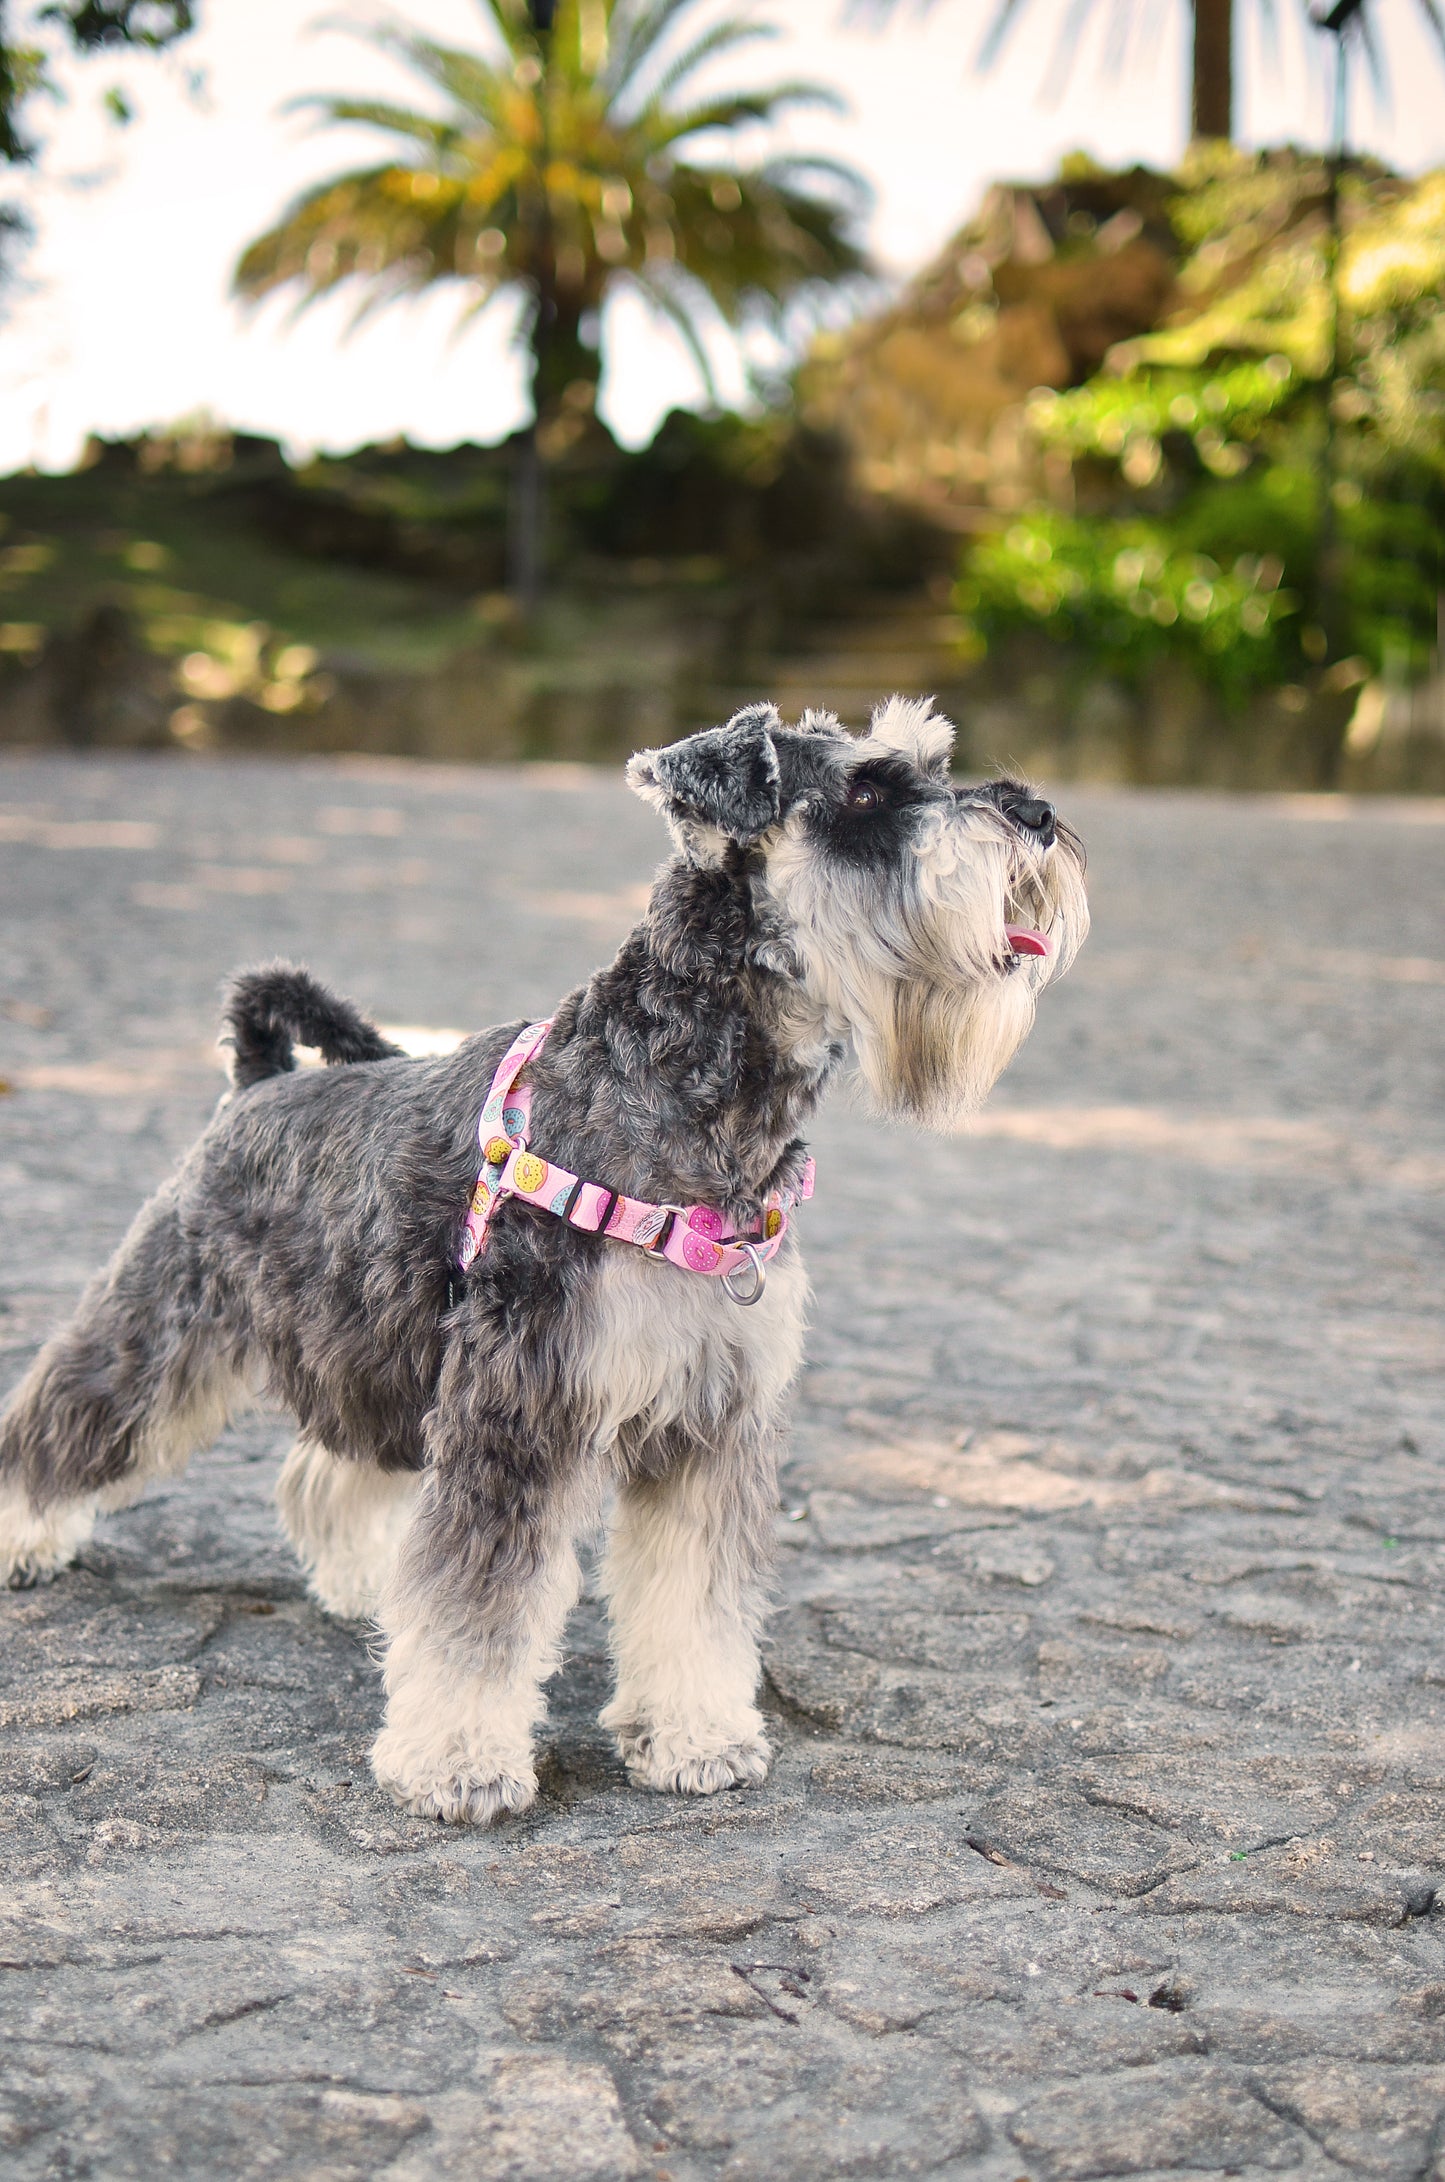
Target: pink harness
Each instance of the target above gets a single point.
(694, 1237)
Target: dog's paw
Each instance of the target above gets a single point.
(676, 1765)
(346, 1596)
(464, 1800)
(457, 1790)
(34, 1546)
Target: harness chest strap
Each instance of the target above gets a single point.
(694, 1237)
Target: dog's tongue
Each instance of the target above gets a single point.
(1025, 942)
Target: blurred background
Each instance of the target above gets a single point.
(489, 379)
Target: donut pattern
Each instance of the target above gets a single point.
(704, 1241)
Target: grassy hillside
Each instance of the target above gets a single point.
(191, 586)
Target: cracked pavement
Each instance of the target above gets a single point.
(1107, 1678)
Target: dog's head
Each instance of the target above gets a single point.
(915, 917)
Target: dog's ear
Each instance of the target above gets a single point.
(725, 779)
(911, 726)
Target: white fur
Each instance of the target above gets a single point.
(671, 1349)
(35, 1543)
(927, 986)
(173, 1434)
(346, 1521)
(685, 1625)
(681, 1581)
(457, 1742)
(911, 725)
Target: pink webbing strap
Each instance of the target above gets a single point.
(694, 1237)
(501, 1127)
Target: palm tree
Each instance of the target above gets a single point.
(1211, 106)
(562, 165)
(1211, 102)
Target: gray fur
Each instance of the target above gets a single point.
(305, 1245)
(267, 1010)
(727, 777)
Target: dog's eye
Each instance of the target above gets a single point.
(863, 796)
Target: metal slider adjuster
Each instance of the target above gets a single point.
(760, 1271)
(658, 1245)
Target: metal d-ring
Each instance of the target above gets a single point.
(749, 1251)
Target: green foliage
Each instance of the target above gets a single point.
(88, 26)
(92, 24)
(1135, 591)
(1126, 421)
(22, 72)
(1258, 484)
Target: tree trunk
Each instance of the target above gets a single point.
(527, 510)
(1213, 102)
(559, 359)
(526, 513)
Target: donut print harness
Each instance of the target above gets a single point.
(695, 1237)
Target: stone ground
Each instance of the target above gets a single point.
(1108, 1679)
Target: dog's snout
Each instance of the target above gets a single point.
(1036, 817)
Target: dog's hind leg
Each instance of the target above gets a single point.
(346, 1521)
(684, 1576)
(144, 1374)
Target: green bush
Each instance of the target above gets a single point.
(1258, 486)
(1137, 590)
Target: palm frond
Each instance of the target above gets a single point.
(775, 241)
(789, 169)
(725, 37)
(474, 82)
(1434, 15)
(478, 308)
(366, 223)
(740, 110)
(637, 28)
(677, 300)
(996, 36)
(1061, 60)
(375, 114)
(1374, 57)
(512, 20)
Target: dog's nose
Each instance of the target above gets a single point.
(1035, 816)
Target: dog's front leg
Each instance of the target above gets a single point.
(473, 1617)
(685, 1577)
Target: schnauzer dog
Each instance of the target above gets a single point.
(482, 1367)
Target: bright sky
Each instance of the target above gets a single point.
(122, 318)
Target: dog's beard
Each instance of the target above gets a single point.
(917, 966)
(944, 1048)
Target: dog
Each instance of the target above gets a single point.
(485, 1366)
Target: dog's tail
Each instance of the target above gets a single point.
(269, 1009)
